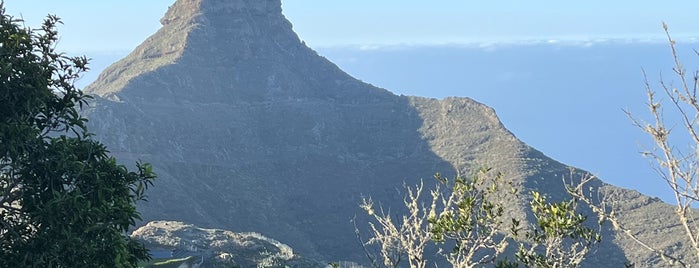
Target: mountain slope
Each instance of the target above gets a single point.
(250, 130)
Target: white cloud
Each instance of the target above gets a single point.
(494, 44)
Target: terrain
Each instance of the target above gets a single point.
(250, 130)
(178, 244)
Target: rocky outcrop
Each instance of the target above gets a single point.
(250, 130)
(198, 247)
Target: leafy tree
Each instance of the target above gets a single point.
(559, 238)
(466, 220)
(471, 219)
(64, 202)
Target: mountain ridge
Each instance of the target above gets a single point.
(250, 130)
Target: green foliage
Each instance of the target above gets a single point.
(467, 221)
(560, 238)
(63, 201)
(471, 219)
(506, 263)
(558, 220)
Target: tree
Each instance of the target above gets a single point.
(559, 238)
(466, 220)
(464, 215)
(675, 164)
(64, 202)
(471, 218)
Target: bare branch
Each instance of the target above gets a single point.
(606, 214)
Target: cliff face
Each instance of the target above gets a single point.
(250, 130)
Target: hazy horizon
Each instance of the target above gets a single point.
(102, 26)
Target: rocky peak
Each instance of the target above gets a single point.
(188, 10)
(225, 51)
(230, 18)
(240, 28)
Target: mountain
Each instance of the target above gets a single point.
(252, 131)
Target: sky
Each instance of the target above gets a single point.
(110, 27)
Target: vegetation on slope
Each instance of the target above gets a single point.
(64, 202)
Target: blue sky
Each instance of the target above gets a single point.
(102, 27)
(458, 21)
(107, 25)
